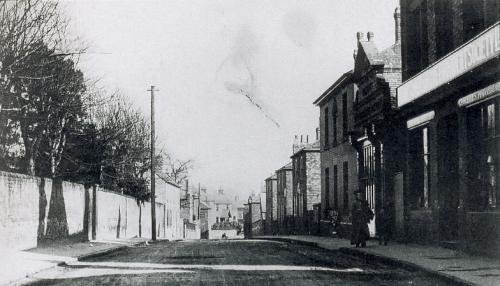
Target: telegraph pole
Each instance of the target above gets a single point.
(153, 199)
(199, 200)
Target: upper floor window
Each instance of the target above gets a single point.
(345, 122)
(326, 142)
(444, 28)
(334, 122)
(417, 39)
(473, 19)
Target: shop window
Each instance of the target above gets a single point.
(484, 155)
(419, 173)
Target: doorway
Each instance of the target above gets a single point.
(448, 179)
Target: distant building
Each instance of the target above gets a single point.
(271, 204)
(222, 211)
(284, 198)
(306, 184)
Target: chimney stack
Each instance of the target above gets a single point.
(370, 36)
(360, 36)
(397, 23)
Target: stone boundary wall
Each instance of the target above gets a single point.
(35, 210)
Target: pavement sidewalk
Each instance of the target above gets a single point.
(17, 265)
(453, 265)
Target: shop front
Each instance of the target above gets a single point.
(451, 111)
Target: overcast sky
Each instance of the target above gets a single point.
(237, 78)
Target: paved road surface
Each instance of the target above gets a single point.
(238, 262)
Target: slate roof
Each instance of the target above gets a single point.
(273, 177)
(391, 56)
(339, 83)
(313, 147)
(286, 167)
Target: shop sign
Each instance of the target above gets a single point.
(477, 51)
(479, 95)
(420, 120)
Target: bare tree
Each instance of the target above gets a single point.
(175, 170)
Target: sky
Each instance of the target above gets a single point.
(236, 79)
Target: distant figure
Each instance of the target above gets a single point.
(383, 225)
(361, 215)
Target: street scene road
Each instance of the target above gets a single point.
(287, 142)
(229, 262)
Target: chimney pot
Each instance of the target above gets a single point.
(360, 36)
(370, 36)
(397, 24)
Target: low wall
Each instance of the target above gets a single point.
(39, 209)
(19, 203)
(217, 233)
(191, 231)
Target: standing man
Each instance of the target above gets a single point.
(361, 215)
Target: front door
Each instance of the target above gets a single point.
(448, 179)
(368, 180)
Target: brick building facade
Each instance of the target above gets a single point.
(449, 110)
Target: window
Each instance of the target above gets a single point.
(326, 142)
(419, 172)
(344, 116)
(417, 51)
(327, 188)
(334, 122)
(484, 155)
(473, 20)
(444, 28)
(368, 173)
(345, 173)
(216, 207)
(335, 187)
(169, 218)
